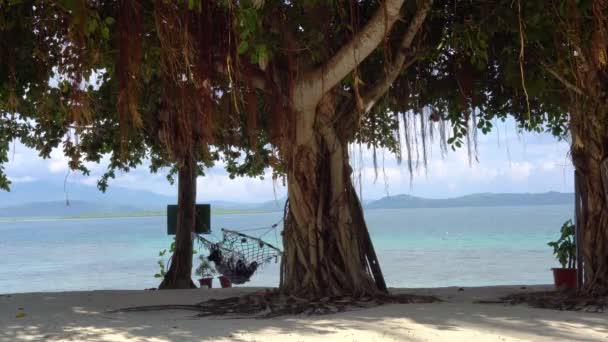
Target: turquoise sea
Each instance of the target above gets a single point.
(416, 248)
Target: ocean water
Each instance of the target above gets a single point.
(416, 248)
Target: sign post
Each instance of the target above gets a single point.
(203, 219)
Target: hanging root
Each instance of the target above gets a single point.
(556, 300)
(272, 303)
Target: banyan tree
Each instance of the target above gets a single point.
(580, 65)
(543, 64)
(179, 78)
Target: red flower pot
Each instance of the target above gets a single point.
(225, 282)
(565, 278)
(206, 282)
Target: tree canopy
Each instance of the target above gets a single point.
(88, 99)
(289, 84)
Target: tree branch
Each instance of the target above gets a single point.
(256, 79)
(324, 78)
(371, 96)
(562, 80)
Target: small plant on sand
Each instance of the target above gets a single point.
(162, 264)
(161, 261)
(565, 248)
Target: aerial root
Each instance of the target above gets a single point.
(272, 304)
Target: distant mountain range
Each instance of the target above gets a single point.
(46, 199)
(474, 200)
(66, 209)
(40, 191)
(43, 199)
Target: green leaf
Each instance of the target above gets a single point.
(91, 26)
(105, 32)
(263, 56)
(68, 4)
(110, 21)
(243, 47)
(564, 248)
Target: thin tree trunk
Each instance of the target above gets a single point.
(179, 275)
(589, 149)
(327, 252)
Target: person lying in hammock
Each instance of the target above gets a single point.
(234, 268)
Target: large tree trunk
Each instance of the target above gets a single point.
(327, 246)
(179, 275)
(589, 149)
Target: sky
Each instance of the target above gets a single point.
(508, 162)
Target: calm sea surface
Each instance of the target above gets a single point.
(416, 248)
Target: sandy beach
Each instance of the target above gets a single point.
(84, 316)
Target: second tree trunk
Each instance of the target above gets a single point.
(179, 275)
(589, 150)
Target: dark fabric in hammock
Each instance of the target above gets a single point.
(239, 256)
(238, 270)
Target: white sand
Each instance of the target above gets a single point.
(83, 316)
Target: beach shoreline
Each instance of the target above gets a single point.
(85, 316)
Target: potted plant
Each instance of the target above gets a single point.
(565, 252)
(206, 272)
(225, 282)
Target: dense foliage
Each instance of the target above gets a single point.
(62, 87)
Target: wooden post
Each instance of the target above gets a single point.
(579, 220)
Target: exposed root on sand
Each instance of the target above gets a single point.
(556, 300)
(272, 304)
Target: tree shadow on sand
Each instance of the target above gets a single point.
(408, 322)
(556, 300)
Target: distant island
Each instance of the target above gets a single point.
(39, 200)
(473, 200)
(28, 213)
(48, 200)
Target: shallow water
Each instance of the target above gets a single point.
(416, 248)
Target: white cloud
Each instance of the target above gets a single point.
(57, 166)
(90, 181)
(519, 171)
(507, 163)
(548, 165)
(24, 179)
(215, 186)
(58, 163)
(527, 163)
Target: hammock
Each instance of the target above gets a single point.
(238, 256)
